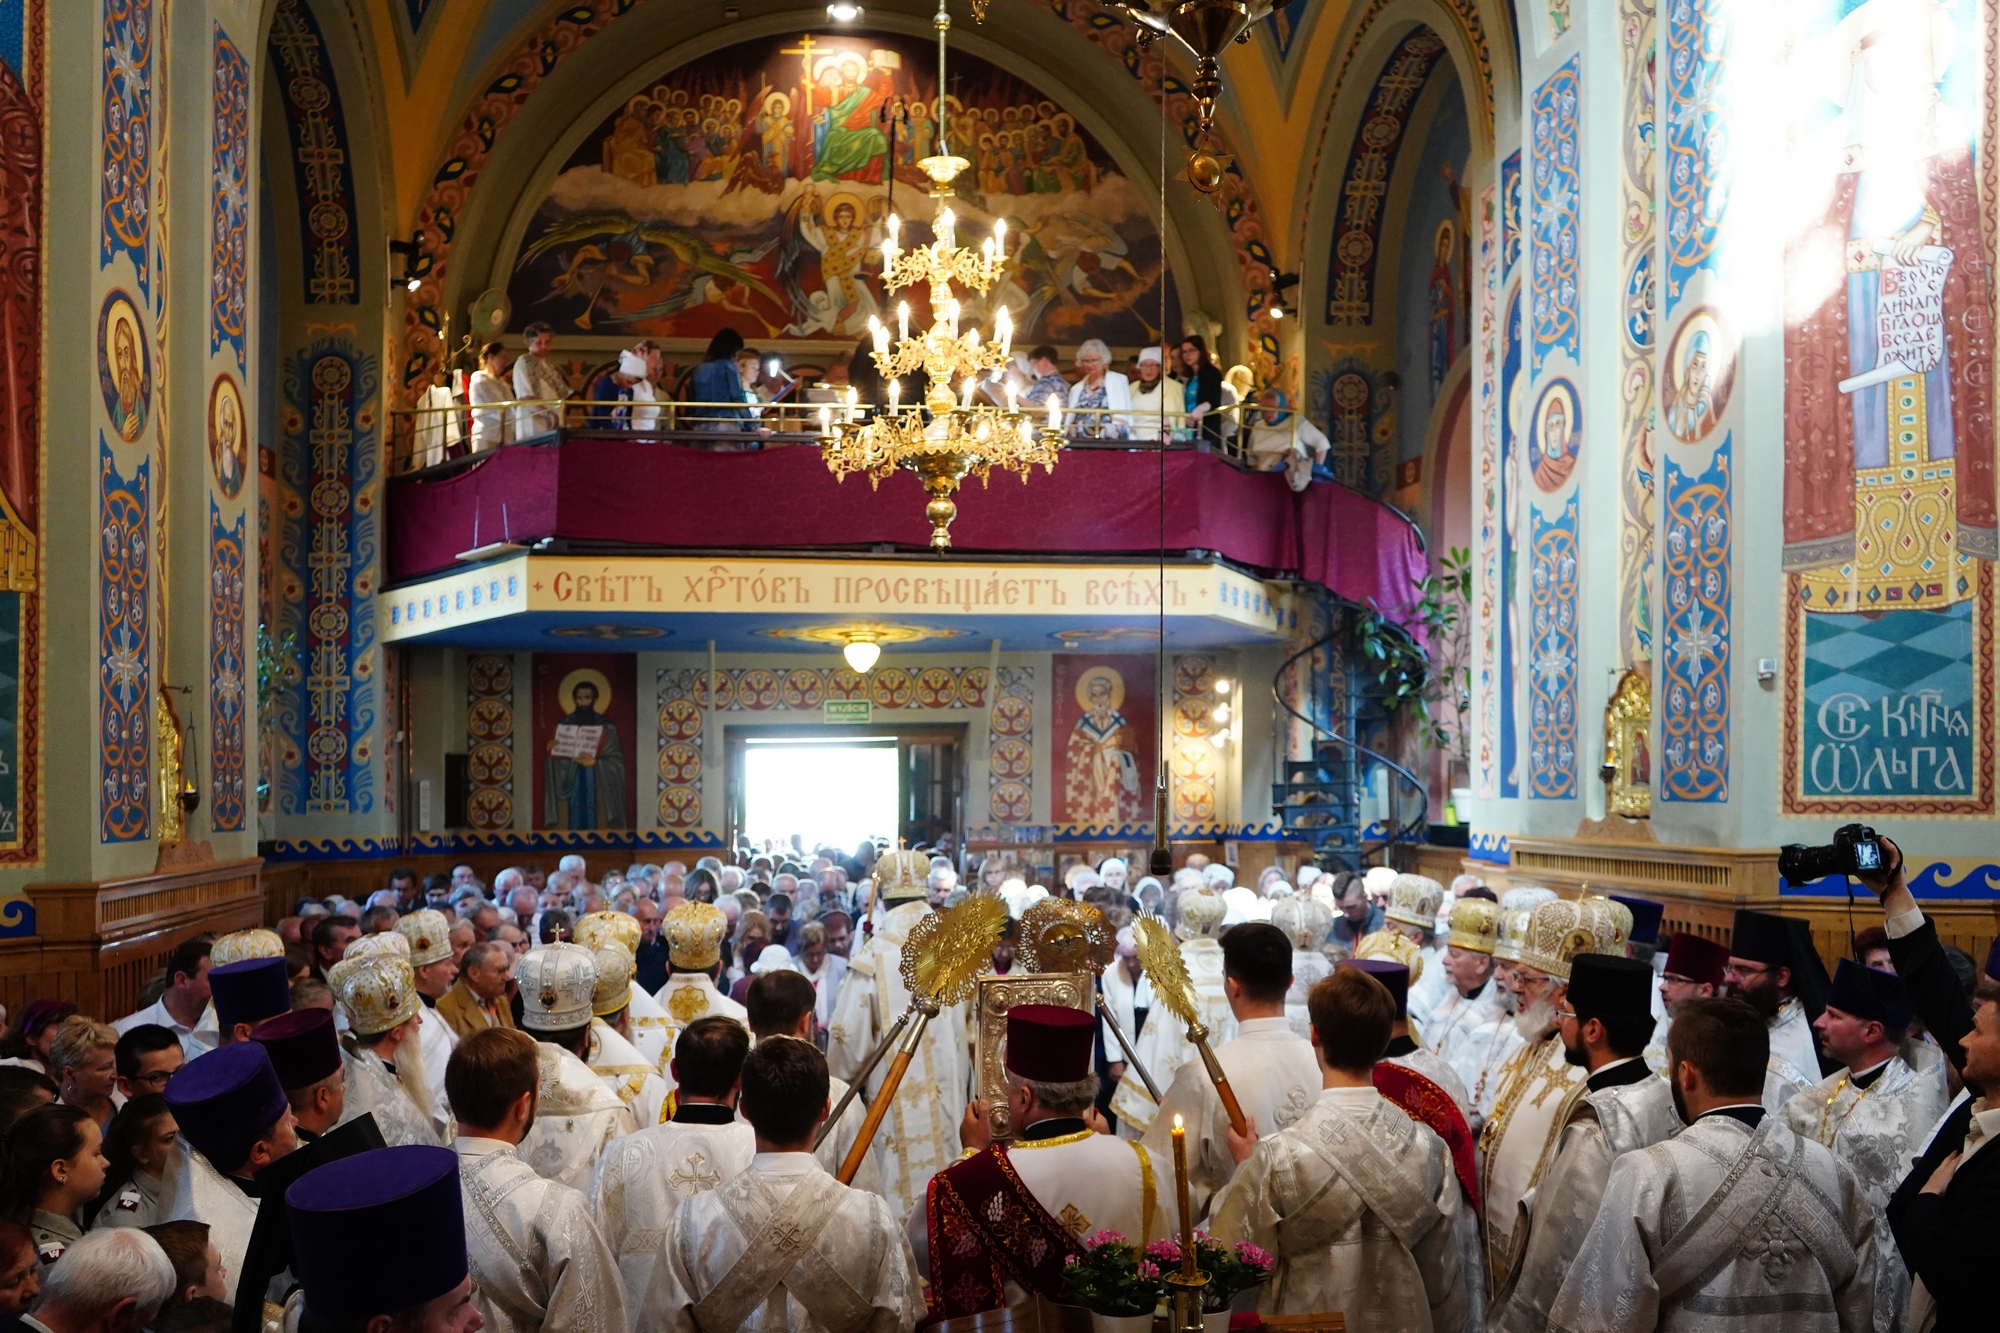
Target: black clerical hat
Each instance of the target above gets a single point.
(378, 1232)
(1605, 986)
(1394, 976)
(1867, 994)
(1761, 937)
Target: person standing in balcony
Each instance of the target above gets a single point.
(1201, 387)
(536, 377)
(611, 393)
(1102, 393)
(1048, 379)
(1156, 399)
(716, 381)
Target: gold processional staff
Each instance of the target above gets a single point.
(940, 966)
(1160, 958)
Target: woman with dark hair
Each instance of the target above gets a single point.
(27, 1042)
(137, 1147)
(715, 381)
(53, 1165)
(1203, 391)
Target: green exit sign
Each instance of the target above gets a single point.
(849, 710)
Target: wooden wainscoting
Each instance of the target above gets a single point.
(96, 944)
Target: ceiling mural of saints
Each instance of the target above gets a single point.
(752, 189)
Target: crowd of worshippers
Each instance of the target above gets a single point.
(592, 1104)
(1173, 392)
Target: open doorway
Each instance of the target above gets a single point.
(834, 792)
(835, 785)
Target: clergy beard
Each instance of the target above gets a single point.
(410, 1073)
(1763, 997)
(1680, 1102)
(1537, 1020)
(1576, 1055)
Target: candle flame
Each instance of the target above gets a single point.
(1177, 1122)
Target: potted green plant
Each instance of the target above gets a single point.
(1232, 1270)
(1116, 1282)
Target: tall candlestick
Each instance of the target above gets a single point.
(1181, 1196)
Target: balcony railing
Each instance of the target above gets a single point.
(444, 439)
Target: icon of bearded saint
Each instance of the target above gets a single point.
(1102, 785)
(131, 384)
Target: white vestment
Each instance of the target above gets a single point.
(435, 1043)
(197, 1192)
(642, 1180)
(1127, 1000)
(576, 1117)
(1357, 1203)
(1276, 1080)
(1537, 1088)
(1427, 992)
(647, 1025)
(1309, 966)
(784, 1246)
(1794, 1063)
(373, 1088)
(1877, 1132)
(627, 1073)
(1471, 1250)
(1163, 1046)
(686, 997)
(1476, 1038)
(536, 1257)
(1602, 1125)
(919, 1135)
(1724, 1230)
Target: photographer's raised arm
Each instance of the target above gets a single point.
(1928, 979)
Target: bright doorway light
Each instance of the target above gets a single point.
(827, 792)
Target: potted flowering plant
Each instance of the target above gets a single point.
(1231, 1270)
(1119, 1285)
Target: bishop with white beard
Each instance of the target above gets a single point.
(1537, 1086)
(1735, 1223)
(1606, 1019)
(385, 1072)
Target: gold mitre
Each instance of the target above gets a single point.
(378, 990)
(1610, 923)
(1201, 913)
(1393, 946)
(613, 990)
(1475, 925)
(1304, 921)
(1557, 932)
(385, 944)
(429, 934)
(901, 876)
(598, 929)
(1414, 901)
(1516, 906)
(694, 934)
(240, 946)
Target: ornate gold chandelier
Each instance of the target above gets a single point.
(948, 437)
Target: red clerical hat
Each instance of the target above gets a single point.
(1050, 1043)
(1699, 960)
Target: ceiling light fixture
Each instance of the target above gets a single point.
(862, 652)
(843, 11)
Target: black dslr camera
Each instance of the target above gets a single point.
(1854, 850)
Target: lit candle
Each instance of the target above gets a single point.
(1181, 1196)
(947, 227)
(902, 321)
(1000, 237)
(1003, 327)
(880, 335)
(1010, 395)
(1055, 411)
(825, 419)
(970, 384)
(889, 253)
(895, 393)
(895, 226)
